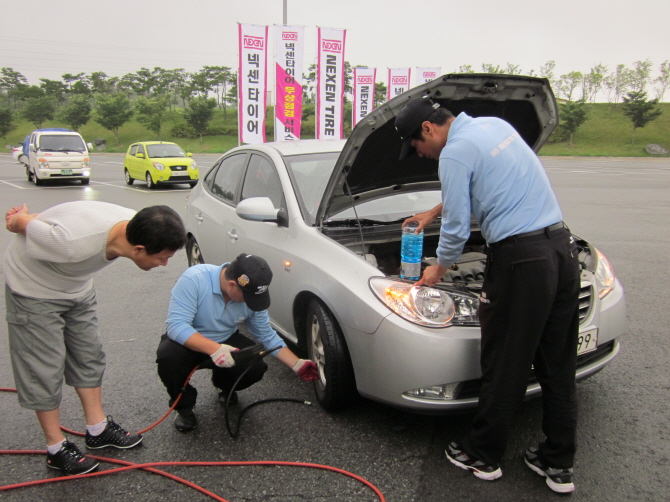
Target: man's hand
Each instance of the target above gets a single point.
(222, 357)
(431, 275)
(306, 370)
(424, 219)
(10, 220)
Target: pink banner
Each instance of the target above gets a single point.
(289, 49)
(330, 84)
(364, 93)
(252, 82)
(398, 81)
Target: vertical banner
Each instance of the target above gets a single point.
(364, 93)
(330, 84)
(398, 81)
(252, 82)
(424, 75)
(289, 50)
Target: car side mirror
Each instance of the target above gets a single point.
(261, 209)
(139, 155)
(90, 146)
(189, 154)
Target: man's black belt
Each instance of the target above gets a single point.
(545, 230)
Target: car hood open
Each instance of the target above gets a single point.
(368, 167)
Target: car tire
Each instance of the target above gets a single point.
(29, 174)
(85, 181)
(21, 158)
(336, 386)
(126, 174)
(37, 180)
(193, 183)
(150, 182)
(193, 253)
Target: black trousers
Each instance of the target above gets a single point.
(529, 318)
(175, 363)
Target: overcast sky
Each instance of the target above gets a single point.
(47, 38)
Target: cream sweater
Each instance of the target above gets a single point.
(63, 248)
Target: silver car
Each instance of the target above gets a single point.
(327, 216)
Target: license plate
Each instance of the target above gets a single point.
(587, 341)
(66, 171)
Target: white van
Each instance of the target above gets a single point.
(58, 154)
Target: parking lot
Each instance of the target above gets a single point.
(620, 205)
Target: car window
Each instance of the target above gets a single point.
(133, 149)
(227, 178)
(164, 150)
(140, 149)
(262, 180)
(311, 173)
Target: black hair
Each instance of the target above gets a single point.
(156, 228)
(232, 271)
(438, 117)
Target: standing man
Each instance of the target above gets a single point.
(529, 299)
(52, 311)
(207, 303)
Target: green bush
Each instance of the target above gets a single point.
(182, 130)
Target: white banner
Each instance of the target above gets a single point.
(252, 82)
(398, 82)
(424, 75)
(330, 84)
(364, 93)
(289, 50)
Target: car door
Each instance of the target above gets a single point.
(139, 170)
(130, 161)
(214, 209)
(265, 239)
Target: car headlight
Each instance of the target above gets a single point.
(605, 277)
(194, 165)
(85, 163)
(43, 163)
(431, 307)
(159, 166)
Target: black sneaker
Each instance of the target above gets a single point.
(113, 435)
(559, 480)
(185, 420)
(459, 458)
(224, 394)
(71, 461)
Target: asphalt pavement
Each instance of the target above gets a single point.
(620, 205)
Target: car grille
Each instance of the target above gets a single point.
(178, 168)
(585, 301)
(174, 178)
(471, 388)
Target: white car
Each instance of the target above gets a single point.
(327, 216)
(17, 154)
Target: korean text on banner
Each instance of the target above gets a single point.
(398, 81)
(330, 84)
(289, 50)
(424, 75)
(364, 93)
(252, 82)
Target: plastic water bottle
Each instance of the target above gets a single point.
(411, 252)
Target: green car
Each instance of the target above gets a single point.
(159, 163)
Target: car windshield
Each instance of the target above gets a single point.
(61, 143)
(392, 208)
(311, 173)
(164, 151)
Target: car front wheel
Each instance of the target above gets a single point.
(29, 174)
(193, 254)
(36, 179)
(336, 386)
(126, 174)
(150, 182)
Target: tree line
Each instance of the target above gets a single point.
(153, 95)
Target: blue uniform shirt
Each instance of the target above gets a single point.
(487, 169)
(197, 305)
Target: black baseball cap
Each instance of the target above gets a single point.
(253, 276)
(410, 118)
